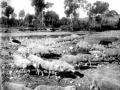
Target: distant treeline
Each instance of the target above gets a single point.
(107, 23)
(99, 16)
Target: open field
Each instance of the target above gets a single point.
(41, 33)
(52, 48)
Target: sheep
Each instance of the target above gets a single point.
(57, 66)
(111, 52)
(47, 65)
(15, 86)
(46, 87)
(84, 57)
(24, 50)
(106, 78)
(76, 59)
(41, 49)
(71, 59)
(20, 61)
(64, 66)
(104, 42)
(97, 53)
(83, 45)
(41, 64)
(97, 47)
(108, 41)
(36, 61)
(16, 41)
(72, 87)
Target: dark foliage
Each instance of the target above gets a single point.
(9, 10)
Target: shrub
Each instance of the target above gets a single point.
(65, 28)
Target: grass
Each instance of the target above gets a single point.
(33, 81)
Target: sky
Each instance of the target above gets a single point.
(58, 6)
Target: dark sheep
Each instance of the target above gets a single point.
(104, 42)
(16, 41)
(107, 41)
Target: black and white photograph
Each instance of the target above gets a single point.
(59, 45)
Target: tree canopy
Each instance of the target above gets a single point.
(3, 4)
(28, 19)
(99, 8)
(22, 13)
(51, 19)
(8, 11)
(111, 13)
(40, 5)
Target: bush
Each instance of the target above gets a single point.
(65, 28)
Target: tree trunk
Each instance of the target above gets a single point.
(43, 24)
(71, 26)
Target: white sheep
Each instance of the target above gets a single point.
(24, 51)
(61, 66)
(97, 53)
(71, 59)
(67, 67)
(36, 61)
(47, 87)
(57, 66)
(20, 61)
(44, 64)
(76, 59)
(84, 57)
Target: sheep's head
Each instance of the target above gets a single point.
(71, 68)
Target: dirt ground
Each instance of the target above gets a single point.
(82, 81)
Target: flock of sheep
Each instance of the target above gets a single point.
(29, 55)
(23, 58)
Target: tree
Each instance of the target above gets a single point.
(51, 19)
(71, 7)
(28, 19)
(40, 5)
(14, 15)
(111, 13)
(21, 13)
(8, 11)
(3, 21)
(65, 21)
(118, 24)
(3, 4)
(99, 8)
(21, 16)
(96, 12)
